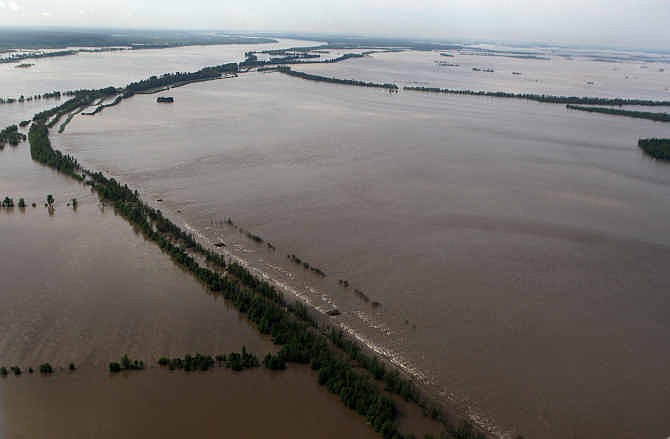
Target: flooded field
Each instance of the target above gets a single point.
(574, 76)
(161, 404)
(503, 251)
(506, 253)
(97, 70)
(80, 286)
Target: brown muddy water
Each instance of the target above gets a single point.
(80, 286)
(514, 247)
(102, 69)
(161, 404)
(574, 76)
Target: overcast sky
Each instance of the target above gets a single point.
(634, 23)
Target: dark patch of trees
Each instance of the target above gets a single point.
(41, 151)
(310, 77)
(544, 98)
(657, 148)
(274, 362)
(11, 135)
(657, 117)
(100, 41)
(38, 97)
(16, 57)
(171, 79)
(236, 361)
(338, 361)
(125, 364)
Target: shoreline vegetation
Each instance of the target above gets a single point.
(44, 369)
(50, 95)
(11, 135)
(656, 148)
(362, 382)
(344, 367)
(573, 100)
(63, 39)
(303, 55)
(656, 117)
(311, 77)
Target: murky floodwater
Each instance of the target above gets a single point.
(97, 70)
(80, 286)
(577, 76)
(513, 246)
(162, 404)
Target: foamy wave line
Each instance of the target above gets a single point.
(393, 357)
(276, 282)
(325, 297)
(372, 323)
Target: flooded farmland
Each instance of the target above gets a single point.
(80, 286)
(503, 252)
(501, 247)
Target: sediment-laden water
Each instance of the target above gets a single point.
(574, 76)
(162, 404)
(512, 246)
(505, 252)
(80, 286)
(102, 69)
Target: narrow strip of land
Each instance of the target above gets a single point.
(574, 100)
(657, 117)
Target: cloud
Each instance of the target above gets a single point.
(13, 6)
(2, 5)
(45, 14)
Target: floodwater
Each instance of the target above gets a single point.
(161, 404)
(514, 247)
(102, 69)
(81, 286)
(576, 76)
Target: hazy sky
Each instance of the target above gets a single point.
(640, 23)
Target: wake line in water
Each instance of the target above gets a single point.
(393, 357)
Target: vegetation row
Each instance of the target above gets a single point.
(657, 117)
(342, 366)
(575, 100)
(311, 77)
(657, 148)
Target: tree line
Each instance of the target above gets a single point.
(11, 135)
(575, 100)
(657, 117)
(44, 369)
(657, 148)
(22, 98)
(236, 361)
(343, 370)
(168, 79)
(311, 77)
